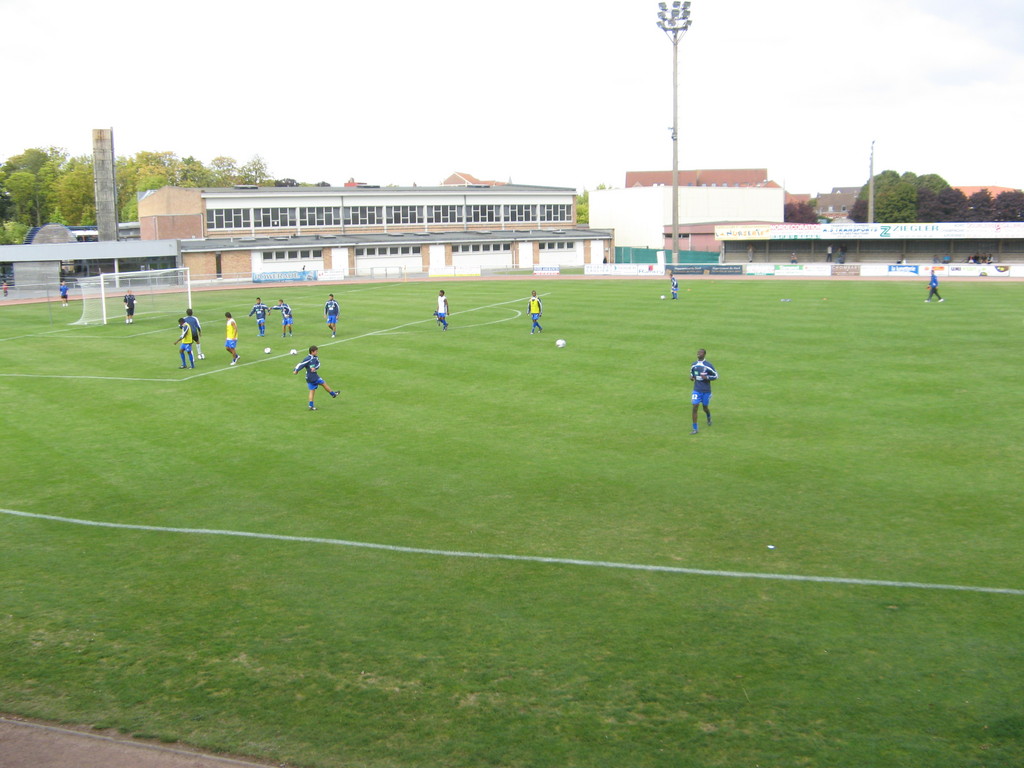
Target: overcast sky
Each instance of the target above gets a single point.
(546, 92)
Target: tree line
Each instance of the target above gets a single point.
(907, 197)
(48, 186)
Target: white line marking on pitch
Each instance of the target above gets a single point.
(524, 558)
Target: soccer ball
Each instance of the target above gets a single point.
(662, 298)
(294, 352)
(560, 343)
(267, 350)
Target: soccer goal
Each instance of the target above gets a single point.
(157, 291)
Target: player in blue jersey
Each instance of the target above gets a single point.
(63, 293)
(535, 309)
(675, 287)
(286, 317)
(197, 331)
(702, 373)
(312, 365)
(331, 310)
(933, 288)
(184, 343)
(260, 310)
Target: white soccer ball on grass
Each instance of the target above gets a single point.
(267, 350)
(560, 343)
(294, 352)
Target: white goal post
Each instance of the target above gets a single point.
(156, 291)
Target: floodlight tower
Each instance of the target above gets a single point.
(674, 22)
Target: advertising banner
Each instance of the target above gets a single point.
(706, 269)
(454, 271)
(284, 277)
(743, 231)
(625, 270)
(846, 270)
(543, 271)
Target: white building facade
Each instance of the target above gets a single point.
(639, 216)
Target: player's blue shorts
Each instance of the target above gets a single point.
(186, 347)
(332, 319)
(286, 321)
(701, 398)
(261, 320)
(314, 384)
(535, 315)
(231, 343)
(441, 315)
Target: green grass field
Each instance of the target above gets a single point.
(865, 435)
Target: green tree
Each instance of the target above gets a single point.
(896, 203)
(28, 180)
(254, 172)
(583, 208)
(12, 233)
(224, 171)
(23, 188)
(192, 173)
(74, 193)
(932, 181)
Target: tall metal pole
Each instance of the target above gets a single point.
(675, 150)
(674, 22)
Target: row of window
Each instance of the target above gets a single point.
(482, 248)
(300, 254)
(378, 215)
(389, 250)
(410, 250)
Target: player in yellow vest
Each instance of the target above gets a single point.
(535, 310)
(232, 340)
(185, 344)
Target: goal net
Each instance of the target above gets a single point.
(157, 291)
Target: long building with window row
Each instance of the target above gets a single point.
(249, 211)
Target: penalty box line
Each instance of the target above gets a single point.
(526, 558)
